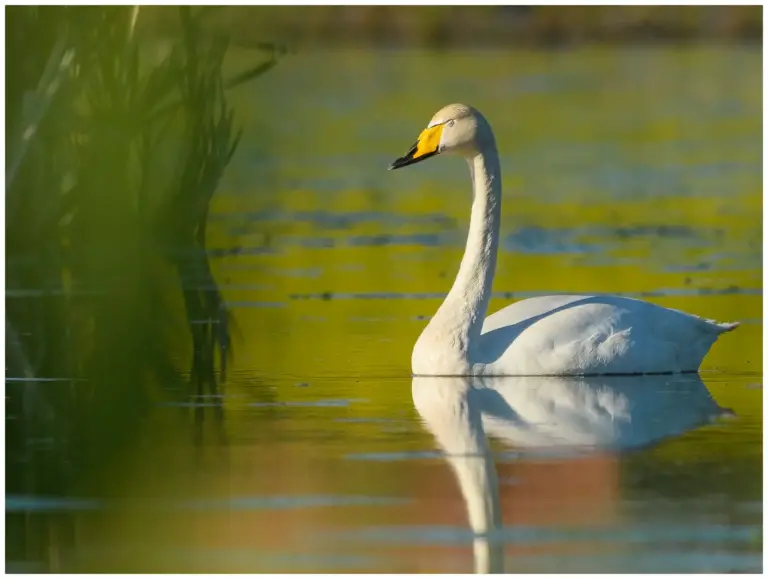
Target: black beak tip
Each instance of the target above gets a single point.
(397, 163)
(405, 160)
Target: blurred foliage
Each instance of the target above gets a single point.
(112, 159)
(451, 26)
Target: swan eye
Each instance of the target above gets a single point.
(451, 123)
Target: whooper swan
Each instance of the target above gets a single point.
(547, 335)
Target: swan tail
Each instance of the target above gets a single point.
(727, 327)
(717, 328)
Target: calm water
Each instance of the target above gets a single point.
(635, 172)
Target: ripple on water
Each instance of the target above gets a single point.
(337, 403)
(528, 535)
(690, 291)
(32, 504)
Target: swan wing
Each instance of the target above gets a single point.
(558, 335)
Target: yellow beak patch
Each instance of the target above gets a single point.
(429, 141)
(427, 145)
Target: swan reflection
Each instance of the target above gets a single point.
(568, 416)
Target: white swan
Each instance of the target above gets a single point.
(549, 335)
(572, 415)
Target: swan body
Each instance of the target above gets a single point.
(549, 335)
(570, 415)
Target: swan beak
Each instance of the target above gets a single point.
(427, 145)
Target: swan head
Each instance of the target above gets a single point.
(455, 129)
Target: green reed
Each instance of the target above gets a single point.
(114, 149)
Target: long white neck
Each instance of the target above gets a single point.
(465, 306)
